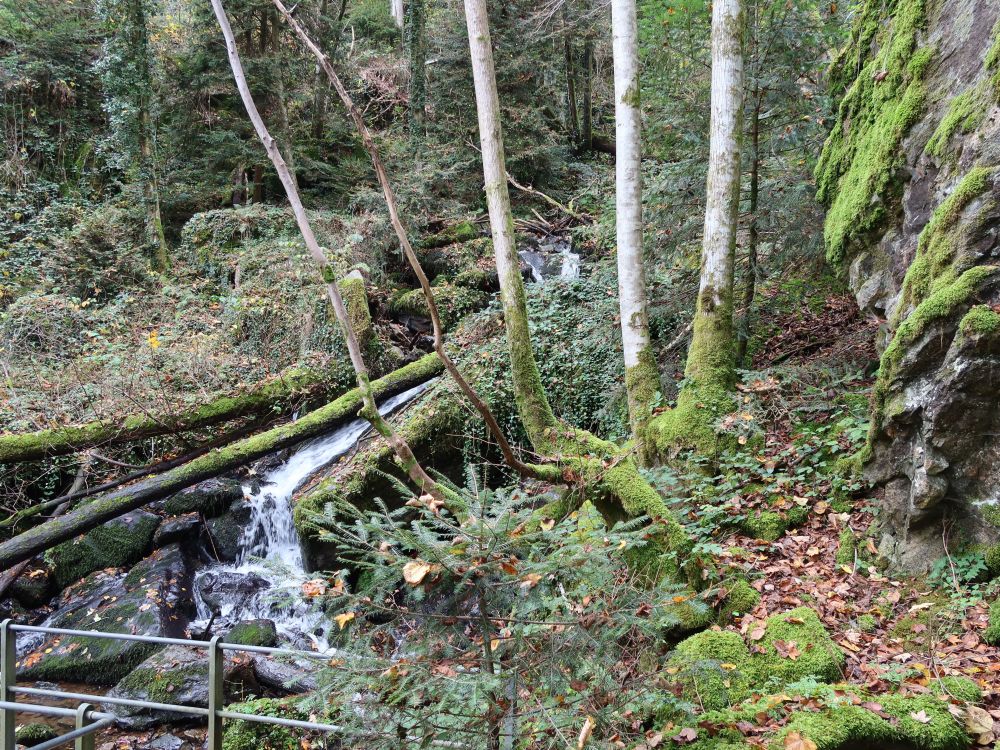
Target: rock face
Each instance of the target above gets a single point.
(910, 178)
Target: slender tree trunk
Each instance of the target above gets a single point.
(370, 410)
(404, 241)
(321, 86)
(533, 405)
(416, 38)
(151, 195)
(586, 83)
(750, 288)
(258, 183)
(642, 377)
(710, 372)
(396, 9)
(572, 120)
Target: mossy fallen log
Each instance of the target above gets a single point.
(287, 388)
(106, 507)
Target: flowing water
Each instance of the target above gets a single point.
(265, 582)
(553, 259)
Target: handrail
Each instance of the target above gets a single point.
(82, 736)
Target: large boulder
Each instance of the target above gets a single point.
(153, 599)
(117, 543)
(910, 174)
(177, 675)
(211, 497)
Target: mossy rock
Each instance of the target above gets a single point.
(211, 497)
(959, 688)
(35, 586)
(742, 598)
(463, 231)
(712, 668)
(244, 735)
(453, 303)
(253, 633)
(767, 525)
(117, 543)
(226, 532)
(154, 599)
(30, 735)
(797, 630)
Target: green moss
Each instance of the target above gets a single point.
(992, 558)
(712, 668)
(960, 688)
(740, 600)
(981, 320)
(856, 173)
(965, 113)
(453, 303)
(818, 656)
(992, 634)
(765, 524)
(30, 735)
(847, 549)
(244, 735)
(867, 623)
(253, 633)
(937, 264)
(114, 544)
(352, 290)
(463, 231)
(160, 686)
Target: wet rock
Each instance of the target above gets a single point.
(178, 675)
(167, 742)
(283, 676)
(224, 590)
(211, 497)
(226, 532)
(153, 599)
(177, 529)
(253, 633)
(117, 543)
(35, 586)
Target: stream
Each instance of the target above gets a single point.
(265, 581)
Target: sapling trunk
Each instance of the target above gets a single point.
(642, 377)
(370, 411)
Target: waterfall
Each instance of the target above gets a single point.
(266, 580)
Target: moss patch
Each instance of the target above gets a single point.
(740, 600)
(244, 735)
(712, 668)
(34, 734)
(800, 632)
(117, 543)
(992, 634)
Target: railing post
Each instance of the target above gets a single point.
(216, 694)
(8, 655)
(87, 741)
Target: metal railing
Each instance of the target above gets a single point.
(90, 721)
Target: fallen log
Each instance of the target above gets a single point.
(288, 388)
(114, 504)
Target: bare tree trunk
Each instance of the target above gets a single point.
(710, 373)
(642, 377)
(572, 120)
(396, 9)
(586, 81)
(753, 239)
(390, 200)
(370, 410)
(151, 195)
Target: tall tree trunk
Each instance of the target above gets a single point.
(642, 378)
(370, 411)
(611, 477)
(151, 194)
(396, 9)
(417, 40)
(586, 83)
(750, 286)
(258, 183)
(572, 120)
(710, 372)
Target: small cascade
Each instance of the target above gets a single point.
(265, 582)
(553, 258)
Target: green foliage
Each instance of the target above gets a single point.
(503, 598)
(992, 634)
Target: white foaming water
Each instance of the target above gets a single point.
(265, 583)
(554, 258)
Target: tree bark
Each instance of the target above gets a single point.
(370, 411)
(710, 372)
(572, 120)
(415, 30)
(586, 81)
(114, 504)
(642, 377)
(750, 286)
(396, 9)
